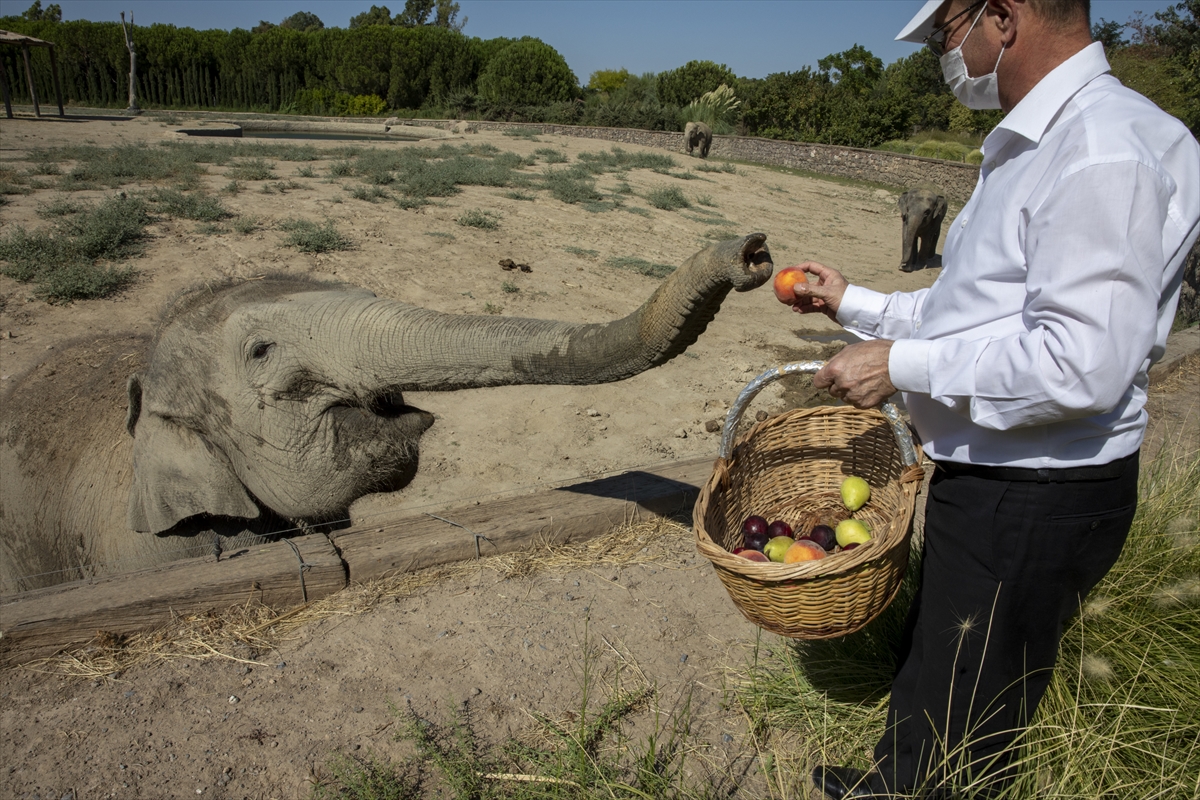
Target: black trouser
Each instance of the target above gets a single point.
(1006, 564)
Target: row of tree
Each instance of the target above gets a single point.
(420, 59)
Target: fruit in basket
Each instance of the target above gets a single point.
(754, 524)
(780, 528)
(753, 555)
(855, 492)
(785, 279)
(849, 547)
(775, 548)
(824, 536)
(756, 540)
(803, 550)
(852, 531)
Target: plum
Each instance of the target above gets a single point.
(756, 540)
(824, 536)
(754, 524)
(779, 528)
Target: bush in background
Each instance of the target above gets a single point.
(528, 72)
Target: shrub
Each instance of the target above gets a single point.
(717, 166)
(175, 203)
(475, 218)
(245, 225)
(550, 155)
(668, 198)
(618, 159)
(570, 186)
(328, 103)
(252, 169)
(63, 261)
(309, 237)
(685, 84)
(527, 72)
(372, 194)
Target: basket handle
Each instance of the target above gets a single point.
(908, 452)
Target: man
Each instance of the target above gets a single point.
(1024, 368)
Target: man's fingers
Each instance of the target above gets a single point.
(823, 378)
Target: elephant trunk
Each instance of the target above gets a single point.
(412, 349)
(908, 240)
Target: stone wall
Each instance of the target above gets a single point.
(956, 180)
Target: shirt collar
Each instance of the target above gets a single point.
(1032, 116)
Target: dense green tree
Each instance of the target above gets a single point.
(1111, 34)
(446, 16)
(35, 13)
(377, 15)
(416, 12)
(528, 72)
(608, 80)
(303, 21)
(683, 85)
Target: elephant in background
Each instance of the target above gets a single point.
(697, 134)
(267, 403)
(922, 210)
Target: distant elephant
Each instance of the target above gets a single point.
(697, 134)
(922, 210)
(278, 401)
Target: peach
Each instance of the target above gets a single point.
(785, 279)
(803, 550)
(753, 555)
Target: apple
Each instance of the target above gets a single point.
(824, 536)
(775, 548)
(780, 528)
(753, 555)
(785, 279)
(803, 550)
(855, 492)
(851, 531)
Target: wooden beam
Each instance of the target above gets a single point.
(57, 83)
(407, 542)
(42, 622)
(37, 110)
(4, 89)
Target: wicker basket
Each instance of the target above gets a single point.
(791, 467)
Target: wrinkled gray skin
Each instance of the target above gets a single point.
(697, 134)
(282, 400)
(922, 210)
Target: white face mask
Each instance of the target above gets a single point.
(977, 93)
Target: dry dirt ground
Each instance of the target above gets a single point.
(259, 724)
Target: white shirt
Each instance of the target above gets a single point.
(1059, 285)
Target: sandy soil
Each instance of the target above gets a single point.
(509, 646)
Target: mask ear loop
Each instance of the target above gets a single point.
(978, 17)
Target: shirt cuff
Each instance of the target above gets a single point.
(861, 309)
(908, 365)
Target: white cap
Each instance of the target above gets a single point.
(921, 25)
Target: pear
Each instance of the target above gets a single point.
(855, 492)
(851, 531)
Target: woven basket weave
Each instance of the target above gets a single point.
(791, 467)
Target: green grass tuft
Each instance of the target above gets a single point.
(309, 237)
(550, 155)
(252, 169)
(668, 198)
(476, 218)
(245, 225)
(67, 261)
(570, 185)
(60, 207)
(579, 251)
(717, 166)
(372, 194)
(618, 159)
(523, 133)
(175, 203)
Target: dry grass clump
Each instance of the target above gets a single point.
(247, 632)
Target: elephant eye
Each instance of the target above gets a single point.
(261, 349)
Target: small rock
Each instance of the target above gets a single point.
(9, 335)
(713, 425)
(247, 681)
(476, 692)
(358, 709)
(234, 700)
(274, 744)
(591, 412)
(281, 665)
(726, 738)
(683, 659)
(761, 415)
(681, 434)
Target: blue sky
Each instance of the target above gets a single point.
(753, 37)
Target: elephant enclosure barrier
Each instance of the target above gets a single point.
(292, 572)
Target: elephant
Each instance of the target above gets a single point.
(922, 210)
(276, 402)
(697, 134)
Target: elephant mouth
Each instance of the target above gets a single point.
(382, 407)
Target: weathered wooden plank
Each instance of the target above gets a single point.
(573, 513)
(40, 623)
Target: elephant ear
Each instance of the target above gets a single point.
(177, 473)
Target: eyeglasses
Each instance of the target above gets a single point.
(936, 41)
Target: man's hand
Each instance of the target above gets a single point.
(859, 374)
(824, 296)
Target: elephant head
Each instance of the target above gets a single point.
(921, 210)
(288, 395)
